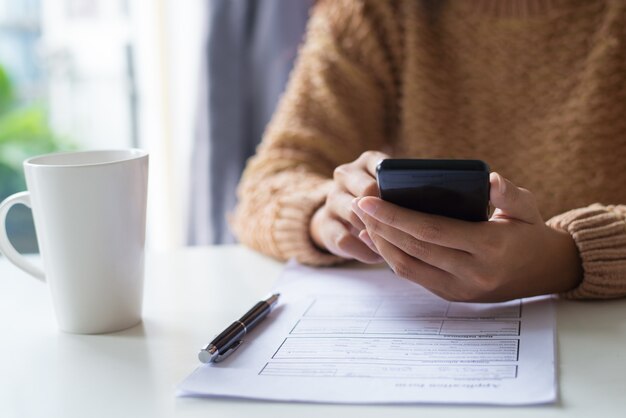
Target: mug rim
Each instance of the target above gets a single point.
(129, 155)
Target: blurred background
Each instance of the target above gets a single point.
(192, 81)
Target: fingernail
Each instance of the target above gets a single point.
(501, 183)
(364, 236)
(368, 205)
(356, 208)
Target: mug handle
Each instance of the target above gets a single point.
(5, 245)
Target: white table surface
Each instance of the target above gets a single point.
(189, 296)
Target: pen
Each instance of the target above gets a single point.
(231, 338)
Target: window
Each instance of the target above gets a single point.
(112, 74)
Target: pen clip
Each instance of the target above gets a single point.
(229, 351)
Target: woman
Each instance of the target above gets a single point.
(537, 89)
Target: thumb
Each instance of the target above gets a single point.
(512, 202)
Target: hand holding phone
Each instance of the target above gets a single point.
(514, 255)
(453, 188)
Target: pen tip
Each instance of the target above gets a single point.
(272, 300)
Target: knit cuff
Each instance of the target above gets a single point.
(600, 235)
(291, 229)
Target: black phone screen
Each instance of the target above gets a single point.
(453, 188)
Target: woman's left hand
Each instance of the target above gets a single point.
(515, 254)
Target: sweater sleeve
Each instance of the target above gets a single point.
(339, 102)
(600, 235)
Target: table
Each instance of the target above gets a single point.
(189, 295)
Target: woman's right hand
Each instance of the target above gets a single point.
(334, 226)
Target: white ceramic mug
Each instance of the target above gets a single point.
(89, 210)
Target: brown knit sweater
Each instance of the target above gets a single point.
(535, 88)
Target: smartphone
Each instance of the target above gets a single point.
(453, 188)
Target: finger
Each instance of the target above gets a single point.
(339, 241)
(455, 262)
(340, 204)
(370, 160)
(354, 179)
(512, 201)
(417, 271)
(365, 237)
(440, 230)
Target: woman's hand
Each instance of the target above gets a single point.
(335, 226)
(512, 255)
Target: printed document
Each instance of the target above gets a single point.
(363, 335)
